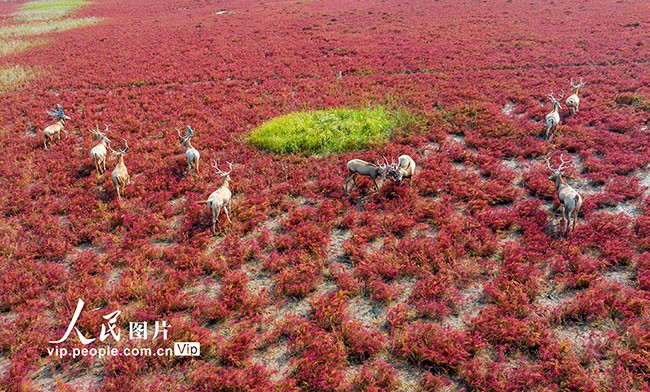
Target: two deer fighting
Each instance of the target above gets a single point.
(398, 171)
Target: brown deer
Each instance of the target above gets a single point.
(120, 174)
(570, 200)
(98, 153)
(221, 198)
(366, 169)
(552, 119)
(573, 102)
(192, 154)
(54, 130)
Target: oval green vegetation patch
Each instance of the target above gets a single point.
(326, 131)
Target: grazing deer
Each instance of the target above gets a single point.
(573, 102)
(358, 166)
(553, 118)
(191, 153)
(54, 130)
(221, 198)
(98, 153)
(120, 174)
(569, 198)
(404, 168)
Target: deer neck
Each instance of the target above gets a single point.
(575, 90)
(60, 122)
(559, 182)
(188, 144)
(226, 183)
(120, 161)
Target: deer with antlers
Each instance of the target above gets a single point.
(221, 198)
(553, 118)
(360, 167)
(98, 153)
(192, 154)
(404, 168)
(120, 174)
(573, 102)
(54, 130)
(570, 199)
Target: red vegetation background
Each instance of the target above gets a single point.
(457, 280)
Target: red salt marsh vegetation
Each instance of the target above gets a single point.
(456, 280)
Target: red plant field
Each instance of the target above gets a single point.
(456, 280)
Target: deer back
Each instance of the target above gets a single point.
(362, 167)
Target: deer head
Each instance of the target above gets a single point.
(556, 102)
(123, 151)
(224, 175)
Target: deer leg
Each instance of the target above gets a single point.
(225, 209)
(575, 218)
(215, 216)
(347, 181)
(566, 221)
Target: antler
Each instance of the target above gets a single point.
(219, 171)
(563, 164)
(122, 151)
(95, 130)
(581, 84)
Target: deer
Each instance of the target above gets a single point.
(98, 153)
(366, 169)
(221, 198)
(573, 102)
(570, 199)
(553, 118)
(192, 154)
(404, 168)
(120, 174)
(54, 130)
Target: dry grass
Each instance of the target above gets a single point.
(28, 29)
(18, 45)
(47, 9)
(13, 77)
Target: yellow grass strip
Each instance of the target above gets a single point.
(14, 46)
(28, 29)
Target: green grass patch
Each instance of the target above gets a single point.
(14, 46)
(48, 9)
(38, 28)
(326, 132)
(13, 77)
